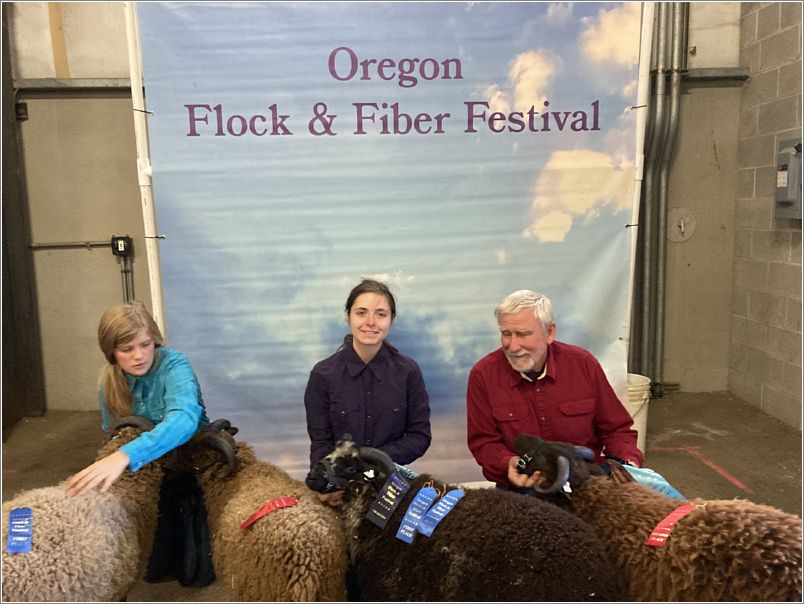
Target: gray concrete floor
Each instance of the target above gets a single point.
(710, 445)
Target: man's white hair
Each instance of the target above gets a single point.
(523, 299)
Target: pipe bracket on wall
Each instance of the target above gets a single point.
(681, 224)
(122, 247)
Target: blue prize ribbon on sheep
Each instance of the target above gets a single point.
(416, 510)
(388, 499)
(20, 527)
(436, 514)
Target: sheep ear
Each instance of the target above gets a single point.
(525, 443)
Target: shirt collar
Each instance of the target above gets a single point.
(515, 377)
(355, 365)
(531, 377)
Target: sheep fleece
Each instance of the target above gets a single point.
(494, 546)
(725, 550)
(295, 553)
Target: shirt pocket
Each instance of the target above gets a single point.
(576, 420)
(510, 411)
(342, 418)
(393, 413)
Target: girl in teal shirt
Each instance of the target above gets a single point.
(141, 378)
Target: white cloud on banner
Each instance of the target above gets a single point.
(558, 13)
(577, 183)
(497, 99)
(609, 37)
(530, 73)
(395, 278)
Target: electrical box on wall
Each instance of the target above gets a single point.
(788, 179)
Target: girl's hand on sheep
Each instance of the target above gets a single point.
(334, 499)
(522, 480)
(103, 472)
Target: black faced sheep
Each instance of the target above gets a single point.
(294, 553)
(722, 550)
(493, 546)
(87, 548)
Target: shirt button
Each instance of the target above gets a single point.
(368, 417)
(510, 415)
(343, 413)
(542, 417)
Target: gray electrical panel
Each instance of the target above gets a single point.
(788, 179)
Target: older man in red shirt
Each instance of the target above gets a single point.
(534, 384)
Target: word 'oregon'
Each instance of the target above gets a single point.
(344, 65)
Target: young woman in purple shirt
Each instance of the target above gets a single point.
(368, 389)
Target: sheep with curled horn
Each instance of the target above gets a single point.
(493, 546)
(723, 550)
(295, 553)
(88, 548)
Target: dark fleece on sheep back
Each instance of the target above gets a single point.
(493, 546)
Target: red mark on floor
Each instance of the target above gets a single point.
(695, 451)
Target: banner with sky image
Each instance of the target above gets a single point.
(457, 151)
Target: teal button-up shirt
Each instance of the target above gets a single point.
(170, 396)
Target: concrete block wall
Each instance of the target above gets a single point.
(765, 349)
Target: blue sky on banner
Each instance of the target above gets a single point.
(296, 147)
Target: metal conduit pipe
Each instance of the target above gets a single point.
(646, 45)
(637, 327)
(648, 227)
(677, 65)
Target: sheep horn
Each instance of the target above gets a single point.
(130, 421)
(562, 477)
(219, 425)
(378, 458)
(225, 445)
(584, 453)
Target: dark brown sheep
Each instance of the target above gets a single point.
(494, 546)
(723, 550)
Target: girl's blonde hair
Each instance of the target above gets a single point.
(119, 325)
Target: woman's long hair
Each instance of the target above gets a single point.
(119, 325)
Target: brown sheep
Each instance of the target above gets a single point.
(88, 548)
(723, 550)
(295, 553)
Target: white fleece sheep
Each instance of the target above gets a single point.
(87, 548)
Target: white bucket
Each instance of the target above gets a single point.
(638, 397)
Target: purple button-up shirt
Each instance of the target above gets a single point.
(382, 404)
